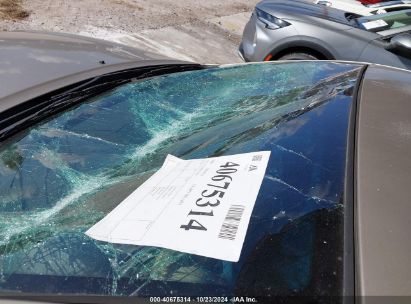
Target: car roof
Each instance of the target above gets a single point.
(383, 175)
(29, 60)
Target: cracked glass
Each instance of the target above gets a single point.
(60, 177)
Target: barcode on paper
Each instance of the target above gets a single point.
(257, 157)
(231, 222)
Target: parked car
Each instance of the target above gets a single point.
(373, 1)
(295, 30)
(82, 125)
(356, 7)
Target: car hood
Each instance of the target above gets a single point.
(28, 59)
(304, 11)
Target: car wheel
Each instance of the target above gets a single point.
(298, 56)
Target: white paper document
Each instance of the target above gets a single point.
(198, 206)
(374, 24)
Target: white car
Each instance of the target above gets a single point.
(356, 7)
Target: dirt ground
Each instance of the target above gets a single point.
(205, 31)
(12, 10)
(128, 15)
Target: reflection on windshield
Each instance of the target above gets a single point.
(66, 174)
(386, 21)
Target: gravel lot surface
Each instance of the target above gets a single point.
(203, 31)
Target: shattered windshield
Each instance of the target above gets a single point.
(63, 175)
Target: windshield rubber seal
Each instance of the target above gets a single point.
(349, 188)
